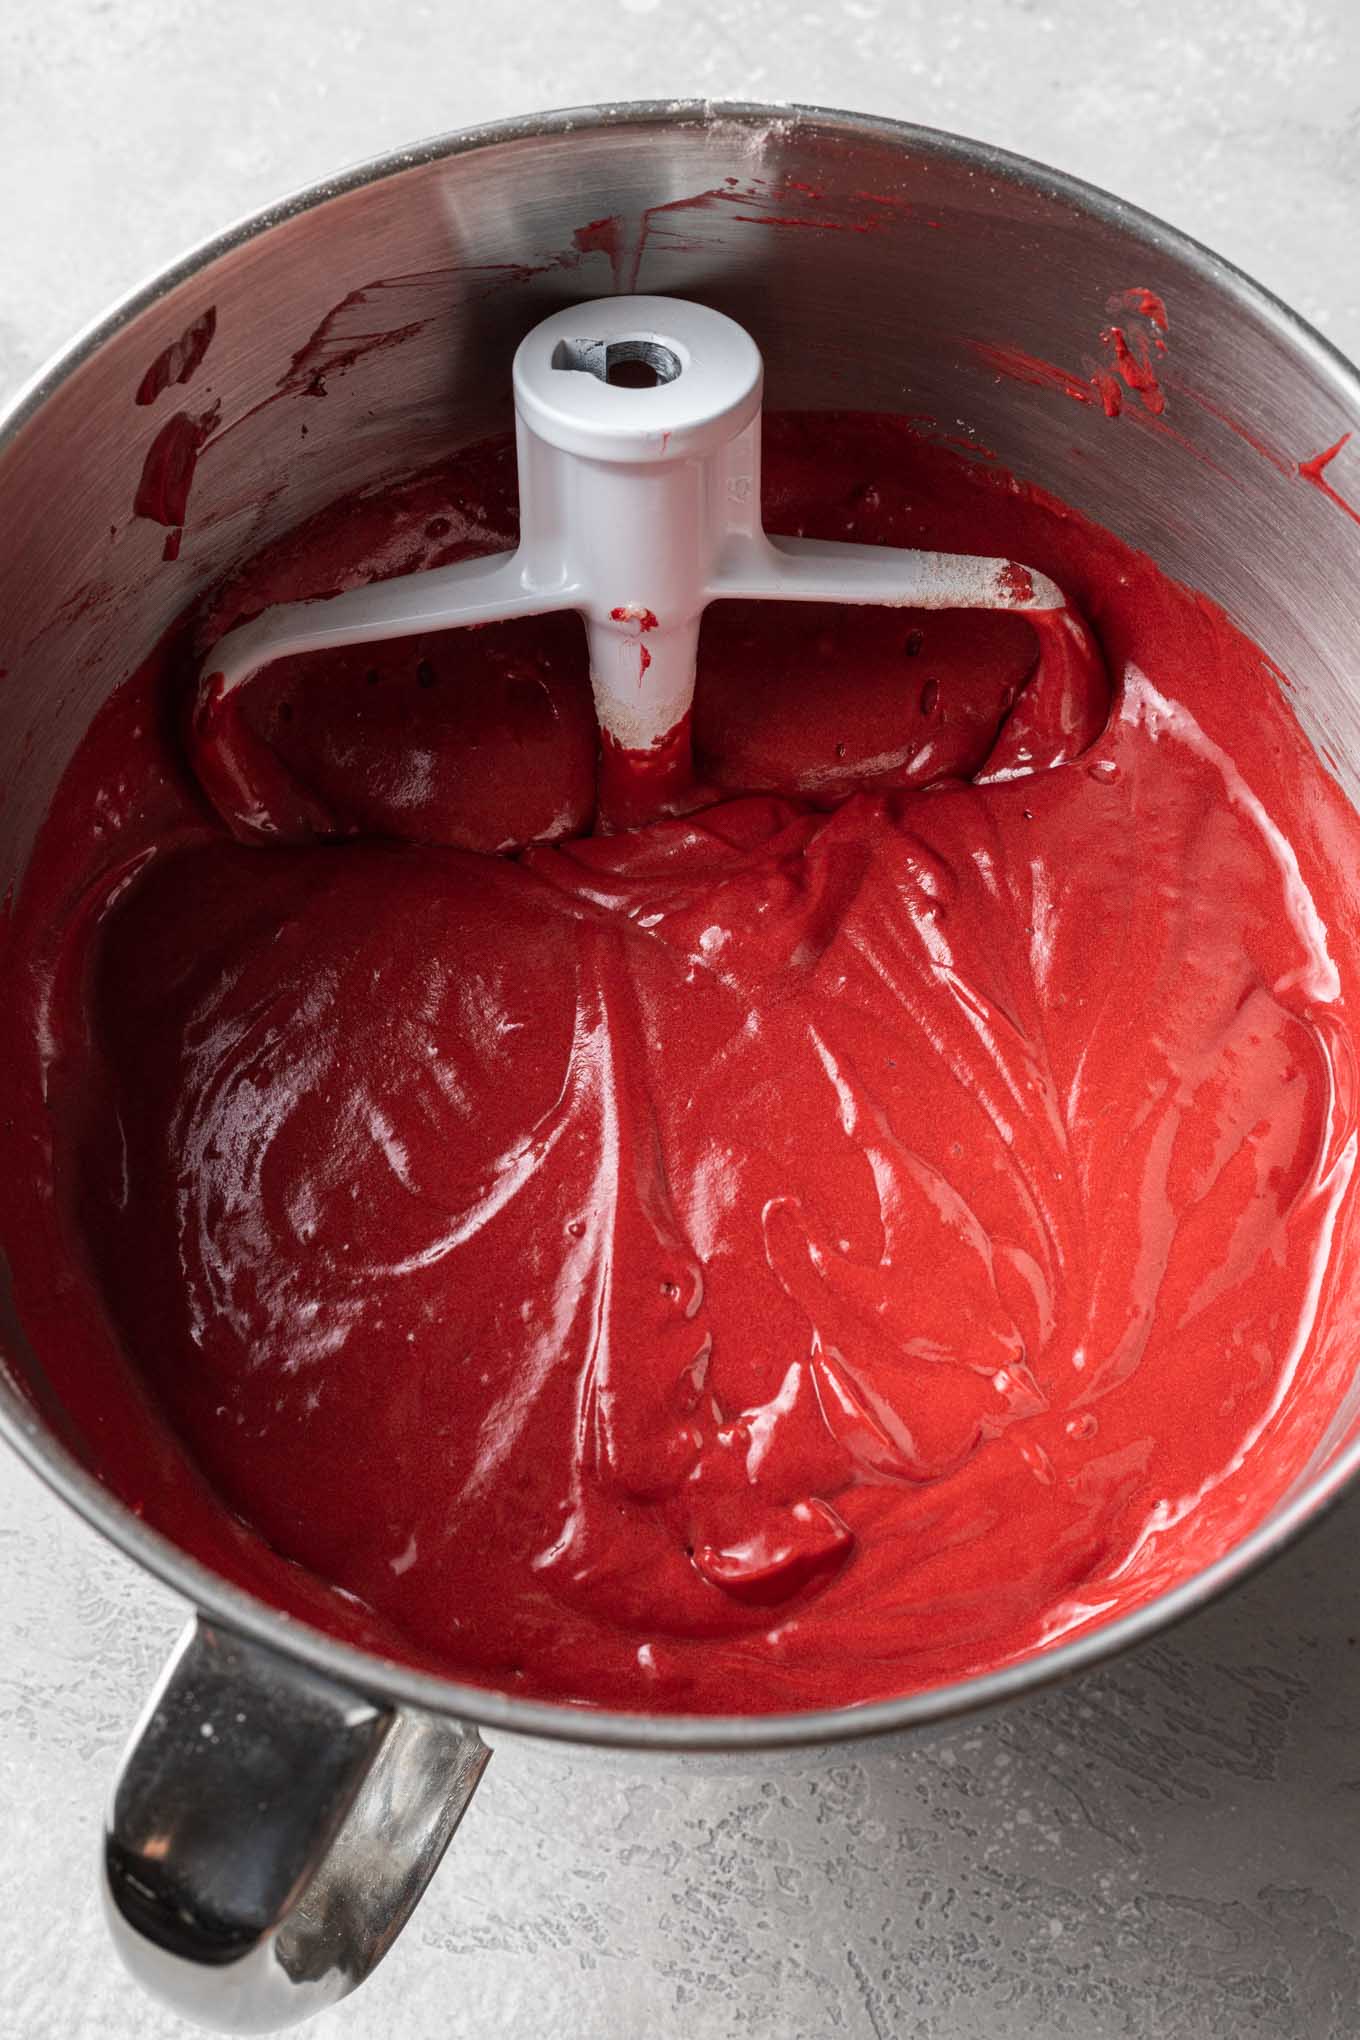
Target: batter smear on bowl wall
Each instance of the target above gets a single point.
(888, 1212)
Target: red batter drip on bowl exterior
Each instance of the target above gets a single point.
(831, 1242)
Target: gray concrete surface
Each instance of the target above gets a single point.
(1166, 1848)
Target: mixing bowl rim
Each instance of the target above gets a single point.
(244, 1613)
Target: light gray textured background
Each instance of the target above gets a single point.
(1167, 1848)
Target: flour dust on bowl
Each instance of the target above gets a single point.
(684, 1080)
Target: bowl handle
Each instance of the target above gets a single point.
(271, 1830)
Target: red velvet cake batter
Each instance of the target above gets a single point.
(830, 1242)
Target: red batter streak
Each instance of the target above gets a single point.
(834, 1242)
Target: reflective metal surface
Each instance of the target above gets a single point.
(876, 265)
(270, 1832)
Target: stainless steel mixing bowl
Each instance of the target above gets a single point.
(287, 1797)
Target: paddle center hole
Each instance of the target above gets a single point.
(623, 364)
